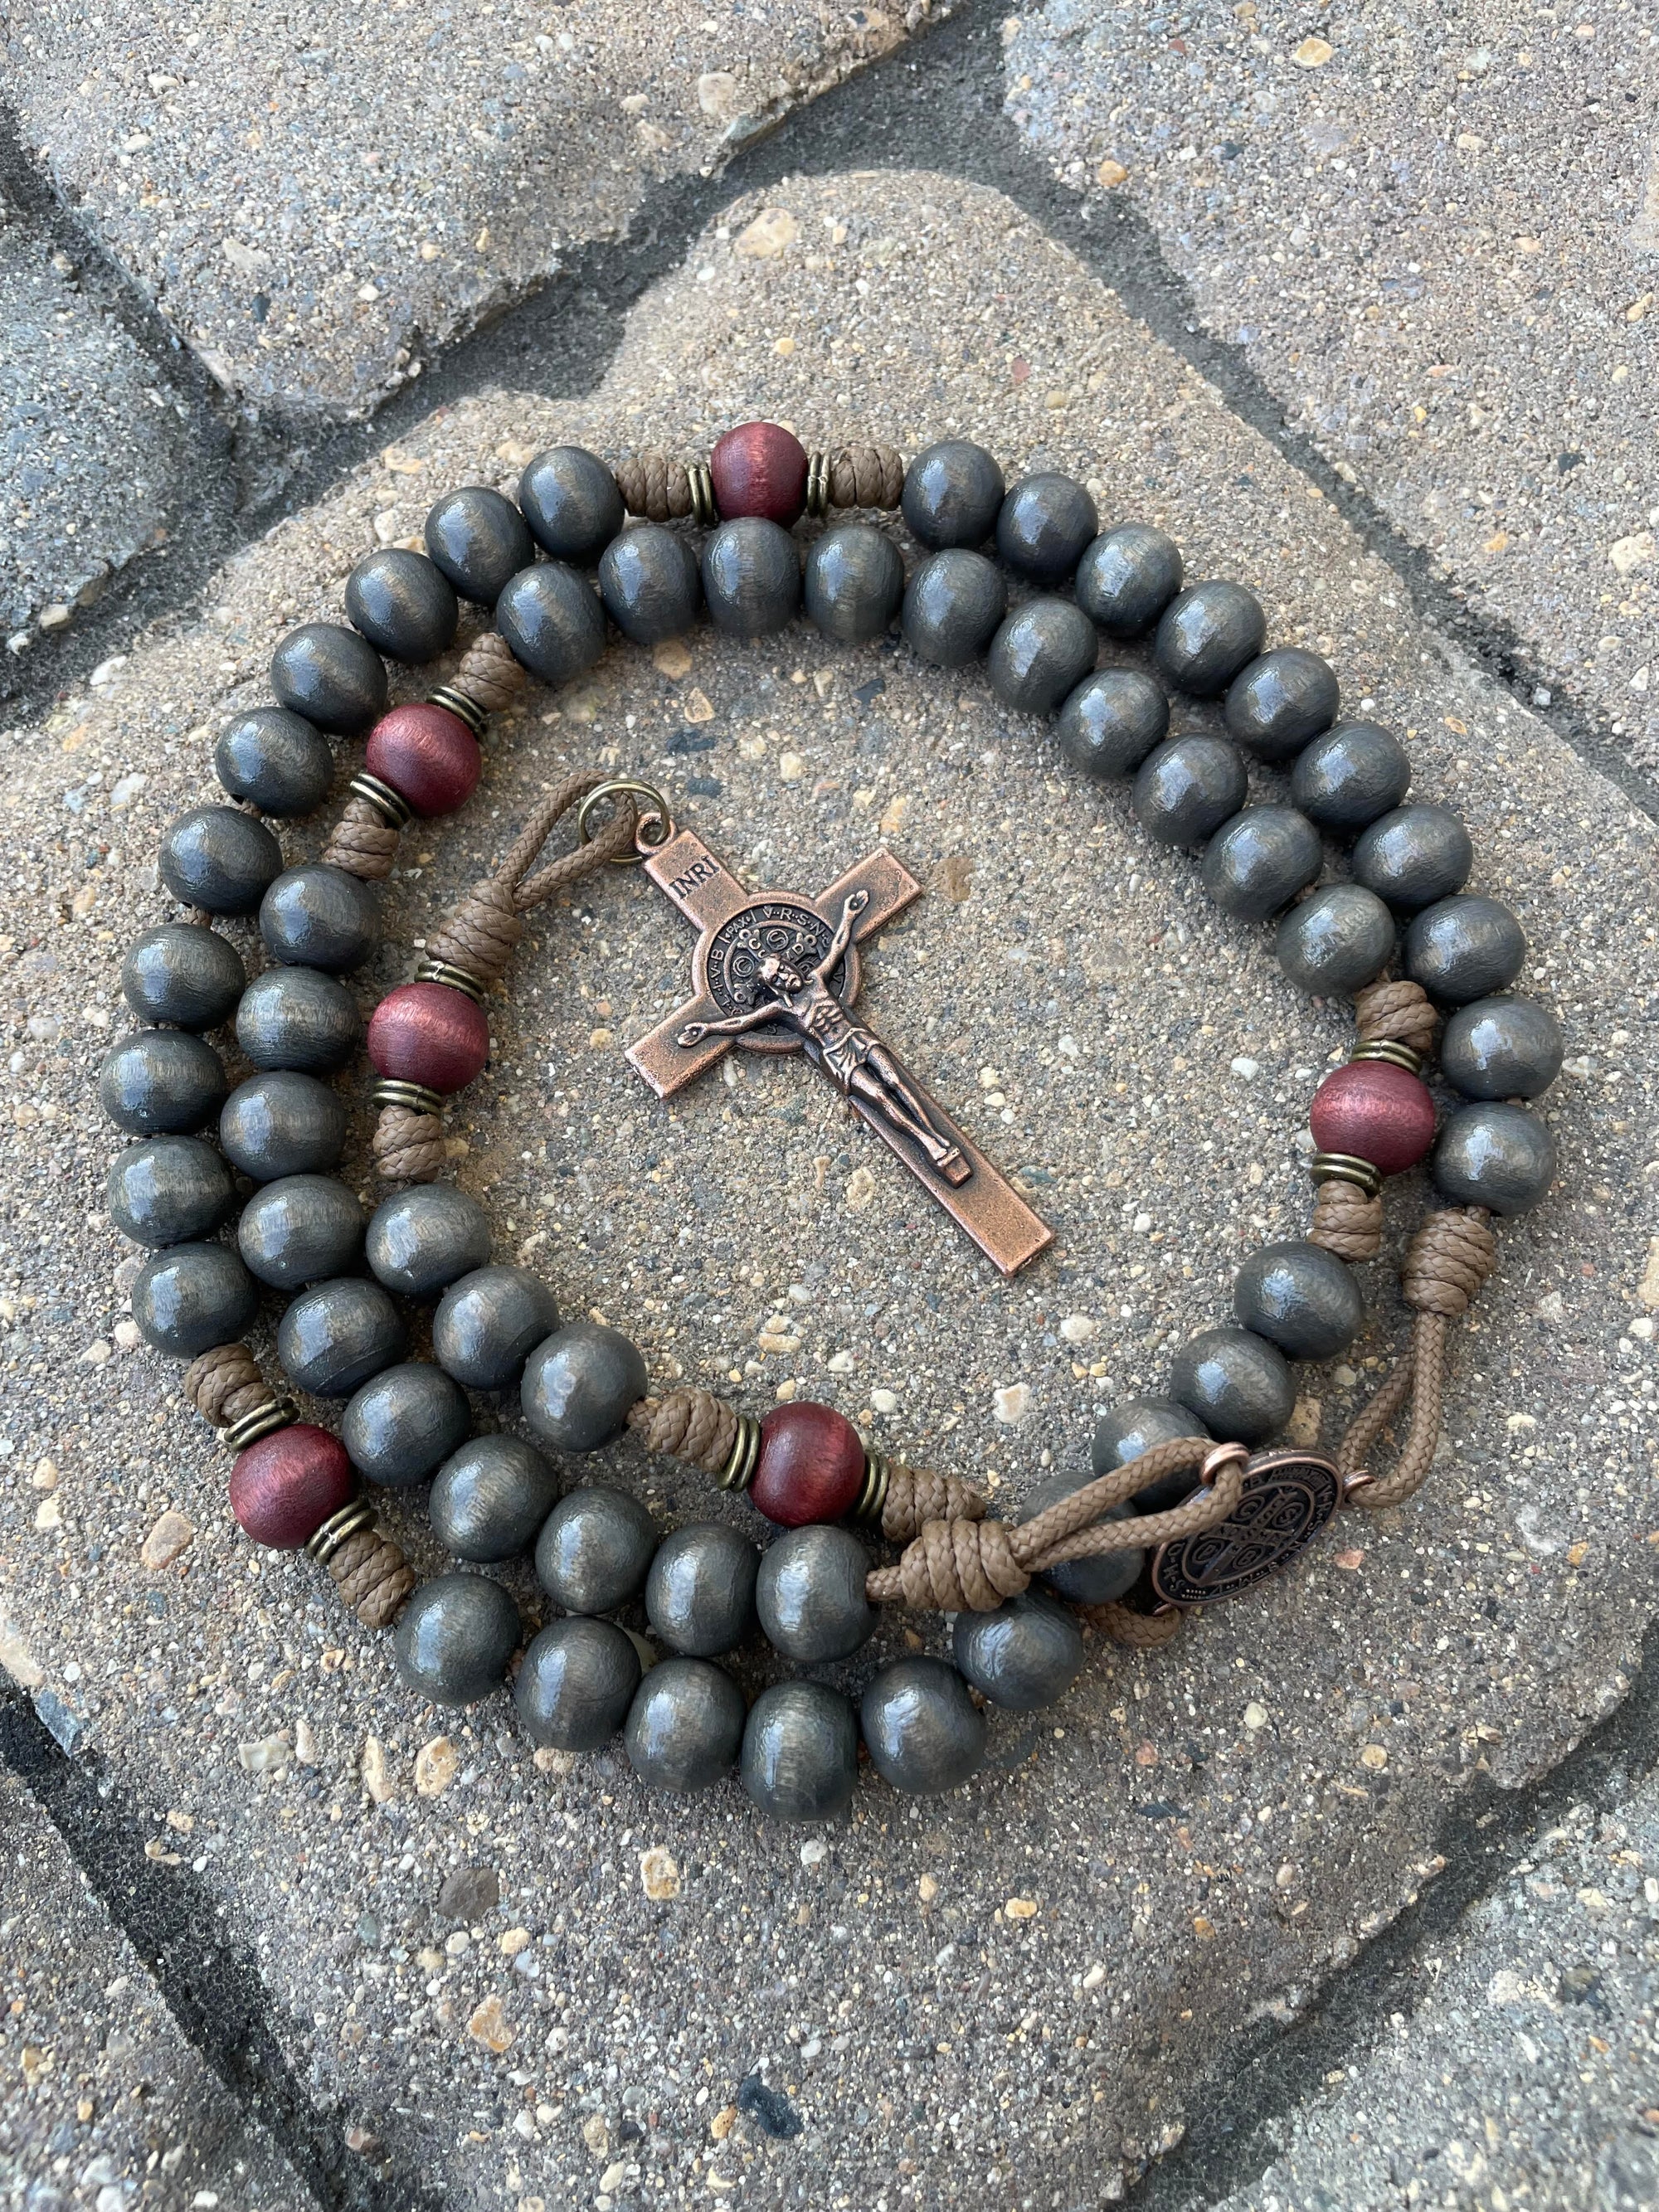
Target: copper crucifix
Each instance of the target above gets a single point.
(775, 972)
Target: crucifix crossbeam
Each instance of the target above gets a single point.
(776, 972)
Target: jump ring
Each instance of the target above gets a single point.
(656, 811)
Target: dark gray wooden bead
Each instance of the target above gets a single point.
(955, 601)
(1112, 721)
(649, 582)
(1281, 701)
(299, 1017)
(400, 1425)
(579, 1384)
(275, 761)
(1207, 634)
(1414, 856)
(684, 1727)
(1188, 786)
(320, 917)
(403, 602)
(489, 1322)
(1082, 1582)
(1499, 1157)
(800, 1752)
(1502, 1048)
(810, 1594)
(332, 677)
(184, 974)
(191, 1296)
(216, 858)
(1464, 948)
(488, 1500)
(1042, 652)
(594, 1551)
(576, 1684)
(924, 1731)
(422, 1240)
(1338, 940)
(480, 541)
(301, 1229)
(169, 1191)
(700, 1592)
(552, 620)
(1023, 1656)
(1127, 577)
(1256, 863)
(1236, 1382)
(953, 493)
(1301, 1297)
(335, 1335)
(162, 1081)
(282, 1123)
(1044, 525)
(455, 1637)
(750, 577)
(854, 583)
(570, 500)
(1345, 778)
(1128, 1431)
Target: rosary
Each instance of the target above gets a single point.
(1189, 1501)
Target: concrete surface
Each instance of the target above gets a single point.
(1432, 233)
(1209, 1837)
(102, 2101)
(320, 200)
(1525, 2073)
(89, 439)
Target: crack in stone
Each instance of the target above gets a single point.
(215, 1996)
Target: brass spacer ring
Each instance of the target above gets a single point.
(1344, 1167)
(263, 1421)
(1217, 1462)
(655, 811)
(1392, 1049)
(463, 709)
(705, 508)
(339, 1527)
(453, 978)
(873, 1491)
(739, 1469)
(392, 808)
(416, 1097)
(817, 486)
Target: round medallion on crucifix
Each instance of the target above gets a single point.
(768, 949)
(1287, 1499)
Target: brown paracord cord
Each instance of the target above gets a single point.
(225, 1385)
(1346, 1221)
(972, 1566)
(481, 936)
(1445, 1265)
(1399, 1013)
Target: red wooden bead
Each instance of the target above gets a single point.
(1374, 1111)
(285, 1486)
(811, 1466)
(760, 468)
(427, 1033)
(427, 755)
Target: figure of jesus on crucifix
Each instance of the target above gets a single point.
(853, 1056)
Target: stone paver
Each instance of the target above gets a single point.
(1203, 1834)
(88, 438)
(318, 199)
(1433, 234)
(102, 2102)
(1527, 2073)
